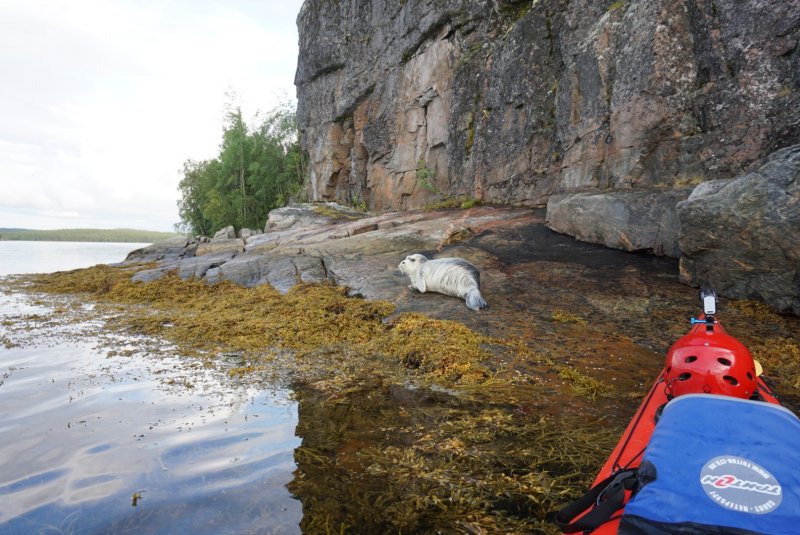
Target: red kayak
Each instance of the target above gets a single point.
(712, 370)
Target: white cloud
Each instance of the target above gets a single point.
(102, 101)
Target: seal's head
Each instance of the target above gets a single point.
(412, 263)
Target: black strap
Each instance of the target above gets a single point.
(604, 499)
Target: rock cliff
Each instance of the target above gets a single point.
(598, 108)
(511, 101)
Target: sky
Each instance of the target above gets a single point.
(101, 101)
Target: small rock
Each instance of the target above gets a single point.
(227, 233)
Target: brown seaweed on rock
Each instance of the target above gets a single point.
(415, 424)
(403, 460)
(421, 403)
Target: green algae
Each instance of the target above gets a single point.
(7, 342)
(756, 310)
(583, 384)
(311, 321)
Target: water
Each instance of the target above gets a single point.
(51, 256)
(92, 443)
(149, 443)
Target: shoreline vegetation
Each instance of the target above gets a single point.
(119, 235)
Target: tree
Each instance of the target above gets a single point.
(193, 198)
(258, 169)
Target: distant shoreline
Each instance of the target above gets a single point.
(86, 235)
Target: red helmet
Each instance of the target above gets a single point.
(710, 362)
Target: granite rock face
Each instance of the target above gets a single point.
(741, 236)
(221, 245)
(402, 103)
(606, 111)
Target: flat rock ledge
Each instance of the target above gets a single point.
(316, 242)
(740, 236)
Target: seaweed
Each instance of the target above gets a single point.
(408, 423)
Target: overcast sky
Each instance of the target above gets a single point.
(101, 101)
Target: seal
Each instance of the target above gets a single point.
(449, 276)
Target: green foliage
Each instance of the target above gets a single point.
(459, 201)
(258, 168)
(469, 203)
(425, 177)
(358, 203)
(616, 5)
(86, 235)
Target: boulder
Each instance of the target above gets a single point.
(741, 236)
(227, 233)
(626, 220)
(309, 215)
(196, 268)
(150, 275)
(351, 249)
(170, 249)
(247, 233)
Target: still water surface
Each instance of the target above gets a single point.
(51, 256)
(97, 444)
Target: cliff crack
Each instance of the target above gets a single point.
(425, 36)
(324, 267)
(328, 69)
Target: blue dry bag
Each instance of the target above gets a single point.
(719, 465)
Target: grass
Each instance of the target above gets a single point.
(454, 202)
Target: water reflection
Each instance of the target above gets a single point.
(82, 434)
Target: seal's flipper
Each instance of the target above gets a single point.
(475, 300)
(420, 282)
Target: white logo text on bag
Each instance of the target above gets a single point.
(739, 484)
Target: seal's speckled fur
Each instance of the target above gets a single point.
(449, 276)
